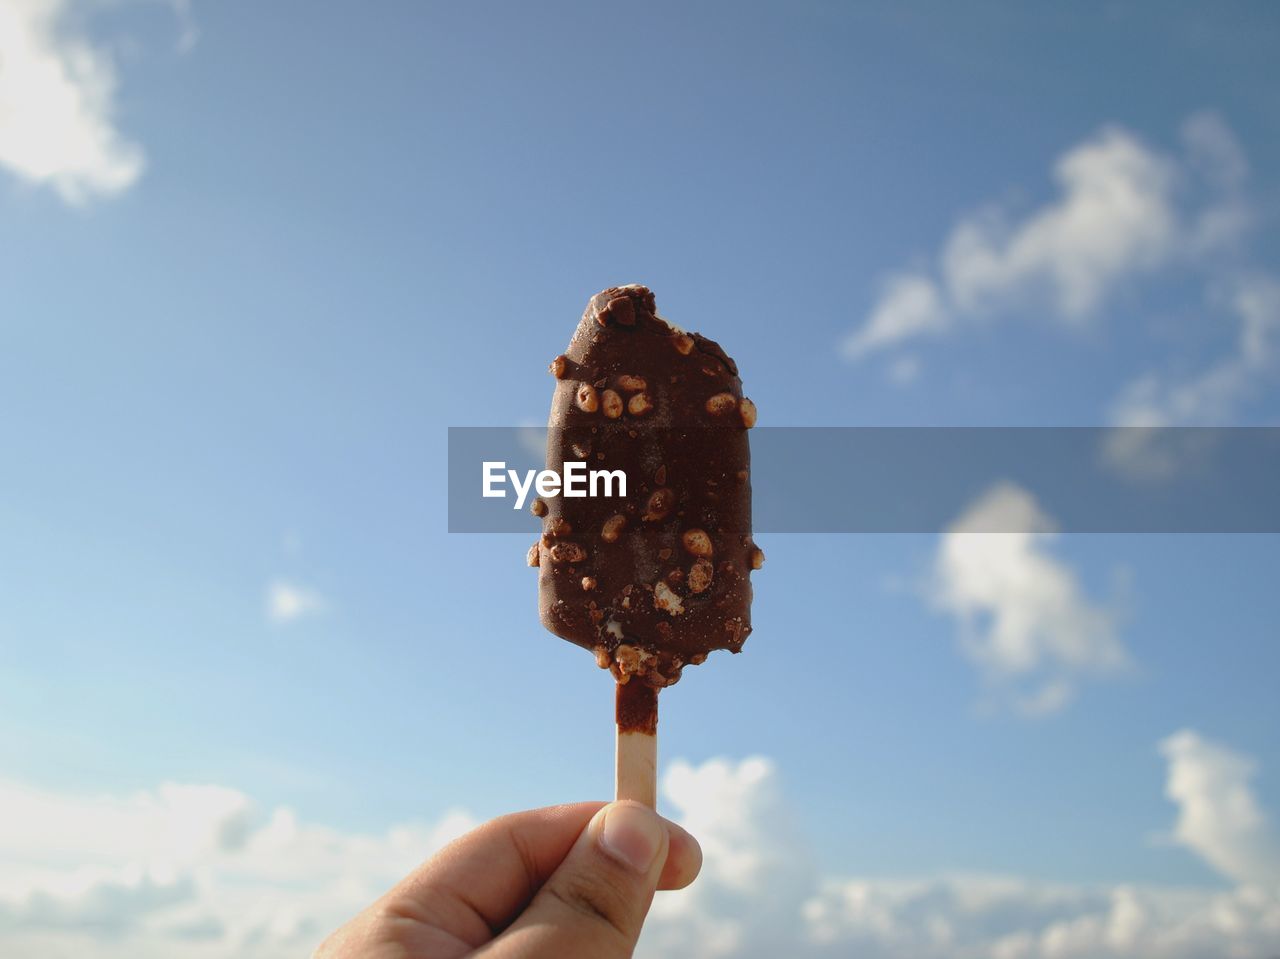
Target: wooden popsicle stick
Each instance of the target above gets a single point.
(636, 766)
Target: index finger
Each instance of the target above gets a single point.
(477, 885)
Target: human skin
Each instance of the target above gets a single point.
(563, 882)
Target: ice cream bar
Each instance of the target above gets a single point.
(656, 580)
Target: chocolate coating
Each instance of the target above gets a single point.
(637, 708)
(657, 580)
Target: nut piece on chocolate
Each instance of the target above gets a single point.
(658, 580)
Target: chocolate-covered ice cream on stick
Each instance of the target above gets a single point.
(656, 580)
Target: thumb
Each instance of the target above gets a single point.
(594, 904)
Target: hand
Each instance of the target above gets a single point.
(565, 882)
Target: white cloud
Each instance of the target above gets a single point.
(1140, 448)
(1114, 217)
(57, 105)
(532, 443)
(983, 917)
(760, 895)
(98, 902)
(1211, 396)
(95, 876)
(188, 31)
(1025, 620)
(747, 905)
(1122, 210)
(287, 602)
(171, 826)
(910, 305)
(904, 370)
(1215, 155)
(186, 869)
(756, 870)
(1219, 818)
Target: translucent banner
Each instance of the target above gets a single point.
(912, 479)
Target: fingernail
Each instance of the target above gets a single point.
(632, 834)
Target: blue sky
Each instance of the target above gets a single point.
(256, 258)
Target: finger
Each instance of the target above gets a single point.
(593, 906)
(475, 886)
(684, 859)
(478, 883)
